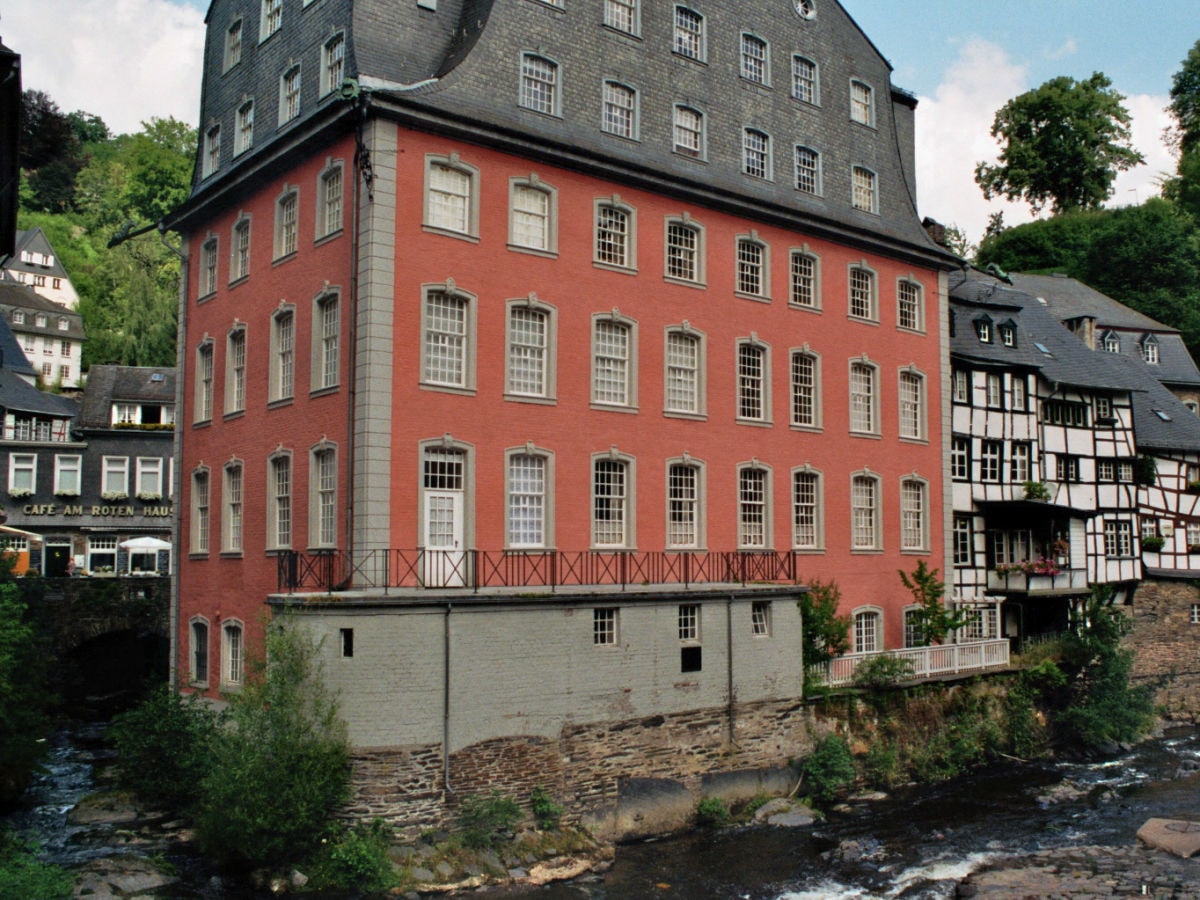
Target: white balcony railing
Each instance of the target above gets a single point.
(1034, 582)
(927, 663)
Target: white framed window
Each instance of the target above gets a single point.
(760, 618)
(995, 390)
(199, 512)
(615, 235)
(279, 501)
(531, 349)
(688, 130)
(243, 136)
(204, 382)
(868, 631)
(67, 470)
(756, 59)
(448, 346)
(862, 103)
(233, 45)
(864, 397)
(289, 94)
(620, 110)
(539, 84)
(914, 632)
(272, 18)
(529, 499)
(805, 279)
(327, 341)
(991, 461)
(333, 63)
(864, 296)
(808, 170)
(1008, 334)
(685, 521)
(1150, 351)
(148, 477)
(805, 389)
(212, 150)
(198, 651)
(753, 267)
(806, 85)
(1194, 614)
(1019, 464)
(231, 508)
(282, 377)
(865, 194)
(912, 405)
(910, 305)
(533, 215)
(329, 200)
(689, 33)
(964, 540)
(604, 627)
(756, 153)
(1112, 342)
(235, 371)
(808, 527)
(451, 196)
(208, 267)
(754, 514)
(1118, 538)
(233, 661)
(612, 502)
(239, 259)
(286, 210)
(684, 251)
(613, 361)
(22, 473)
(322, 496)
(683, 384)
(623, 15)
(753, 382)
(914, 515)
(1192, 532)
(114, 477)
(689, 622)
(865, 517)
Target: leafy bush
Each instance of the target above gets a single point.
(881, 766)
(545, 811)
(23, 875)
(23, 694)
(829, 768)
(483, 821)
(281, 765)
(164, 746)
(711, 812)
(826, 635)
(883, 671)
(356, 859)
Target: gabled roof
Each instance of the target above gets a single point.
(19, 395)
(34, 240)
(19, 296)
(1160, 420)
(12, 357)
(131, 384)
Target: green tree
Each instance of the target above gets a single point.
(1061, 143)
(1185, 102)
(824, 634)
(932, 618)
(23, 696)
(281, 766)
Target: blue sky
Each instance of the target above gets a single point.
(130, 60)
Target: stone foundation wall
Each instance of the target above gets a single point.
(623, 779)
(1167, 643)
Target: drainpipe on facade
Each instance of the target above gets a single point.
(446, 702)
(729, 664)
(177, 473)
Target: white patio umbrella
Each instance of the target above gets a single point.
(145, 543)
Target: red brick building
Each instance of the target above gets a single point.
(522, 293)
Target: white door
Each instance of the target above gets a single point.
(445, 556)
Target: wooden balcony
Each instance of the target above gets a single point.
(1065, 581)
(926, 663)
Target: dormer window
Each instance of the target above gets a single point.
(983, 330)
(18, 317)
(40, 321)
(1112, 342)
(63, 325)
(1150, 350)
(1008, 334)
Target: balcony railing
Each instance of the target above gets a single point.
(1038, 582)
(927, 663)
(336, 570)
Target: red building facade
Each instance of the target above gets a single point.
(422, 344)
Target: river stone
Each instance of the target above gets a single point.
(421, 874)
(795, 819)
(1173, 835)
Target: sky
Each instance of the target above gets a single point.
(131, 60)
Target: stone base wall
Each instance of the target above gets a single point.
(1166, 643)
(623, 779)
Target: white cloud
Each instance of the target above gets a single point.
(1067, 48)
(953, 134)
(125, 60)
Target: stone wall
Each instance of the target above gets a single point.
(1166, 640)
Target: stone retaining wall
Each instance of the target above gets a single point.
(1166, 642)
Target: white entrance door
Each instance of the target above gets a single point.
(445, 557)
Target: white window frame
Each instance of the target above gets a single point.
(752, 274)
(866, 512)
(684, 251)
(755, 59)
(804, 383)
(212, 150)
(333, 63)
(613, 247)
(200, 511)
(754, 511)
(684, 371)
(532, 226)
(323, 489)
(280, 500)
(805, 83)
(686, 495)
(753, 381)
(756, 154)
(330, 199)
(198, 650)
(68, 474)
(233, 487)
(619, 110)
(235, 370)
(531, 365)
(22, 472)
(451, 207)
(208, 266)
(862, 293)
(239, 249)
(605, 630)
(541, 87)
(910, 305)
(623, 16)
(614, 362)
(688, 132)
(287, 222)
(204, 381)
(807, 170)
(913, 405)
(289, 94)
(690, 34)
(867, 630)
(864, 396)
(529, 498)
(326, 340)
(149, 478)
(804, 284)
(233, 45)
(114, 477)
(808, 509)
(914, 515)
(243, 134)
(963, 541)
(862, 103)
(233, 654)
(618, 505)
(282, 374)
(864, 193)
(448, 334)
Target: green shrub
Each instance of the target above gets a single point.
(483, 821)
(23, 875)
(882, 672)
(881, 765)
(164, 746)
(280, 766)
(711, 812)
(23, 694)
(829, 768)
(545, 811)
(356, 859)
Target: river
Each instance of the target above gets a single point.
(919, 842)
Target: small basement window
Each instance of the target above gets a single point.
(347, 641)
(690, 659)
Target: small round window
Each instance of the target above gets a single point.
(806, 8)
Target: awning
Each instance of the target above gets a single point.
(33, 536)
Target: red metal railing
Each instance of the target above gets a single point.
(336, 570)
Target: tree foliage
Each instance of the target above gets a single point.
(1185, 102)
(825, 634)
(1061, 143)
(932, 618)
(23, 696)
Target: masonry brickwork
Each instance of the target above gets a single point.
(1166, 640)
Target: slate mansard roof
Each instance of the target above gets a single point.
(456, 69)
(131, 384)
